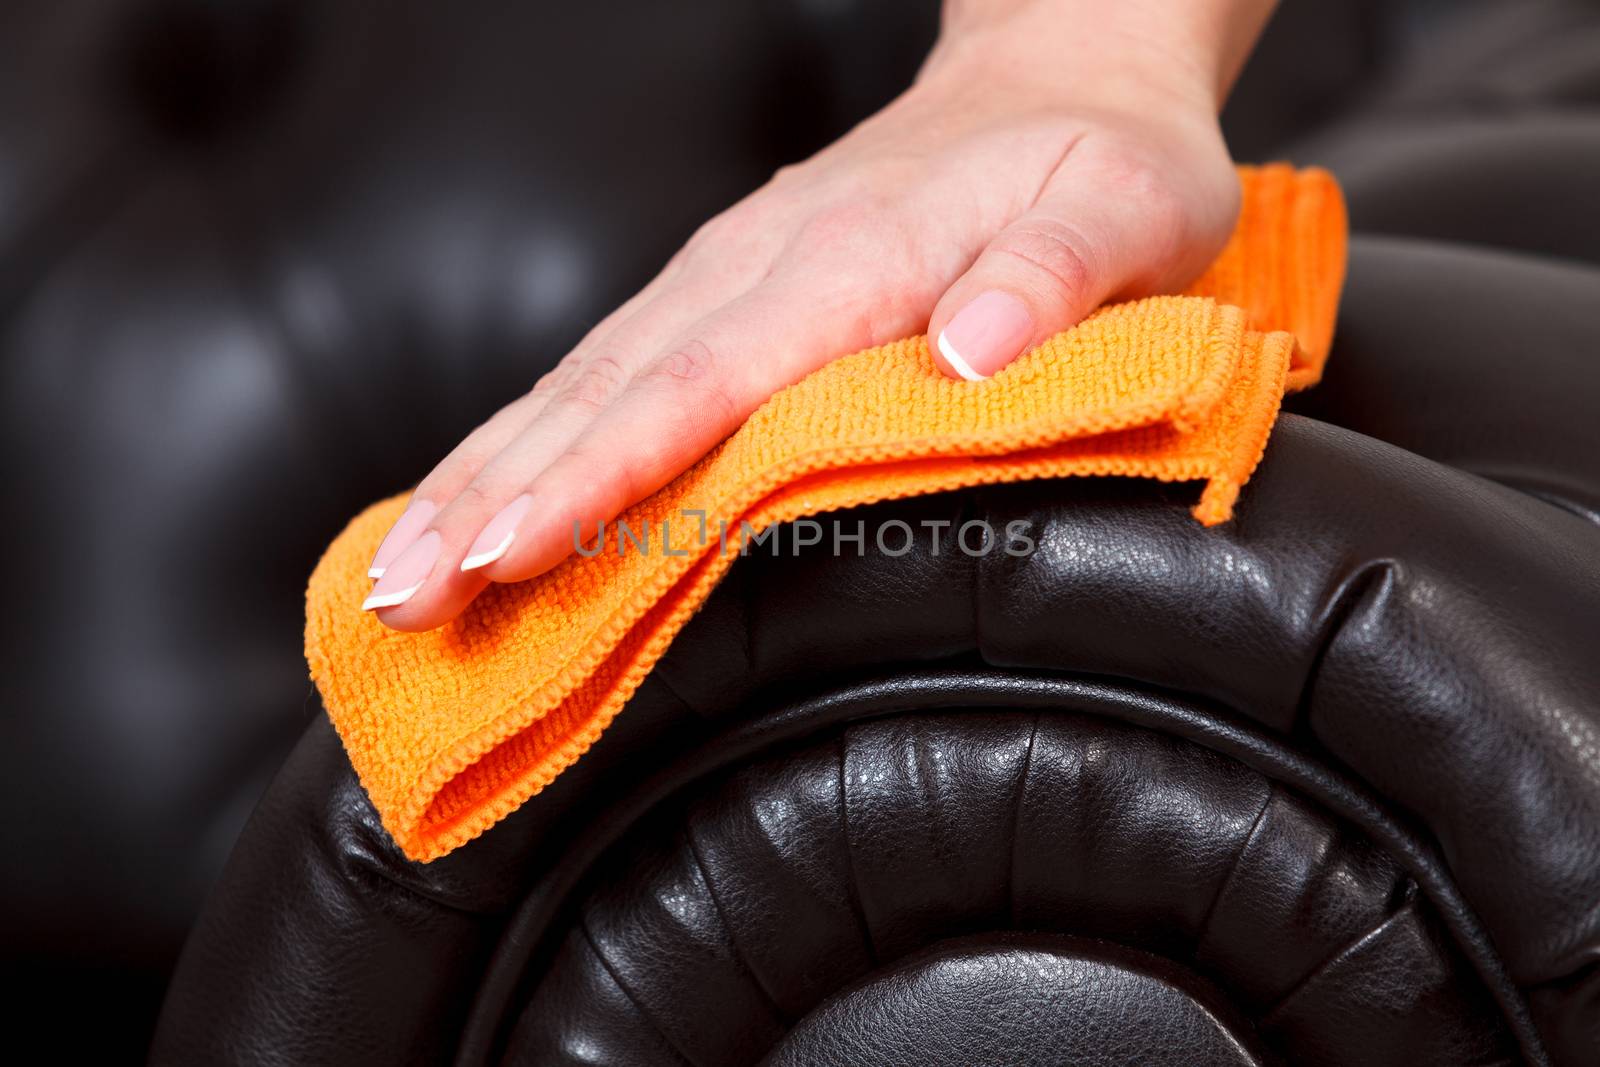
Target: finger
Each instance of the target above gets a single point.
(577, 386)
(408, 601)
(462, 464)
(1096, 232)
(725, 257)
(698, 390)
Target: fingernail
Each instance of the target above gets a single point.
(986, 335)
(496, 537)
(402, 578)
(406, 529)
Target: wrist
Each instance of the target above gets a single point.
(1158, 53)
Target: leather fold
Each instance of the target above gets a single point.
(451, 730)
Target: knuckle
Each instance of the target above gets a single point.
(437, 480)
(695, 368)
(1163, 208)
(719, 231)
(1165, 212)
(1140, 177)
(472, 454)
(1219, 197)
(559, 375)
(593, 385)
(845, 221)
(551, 380)
(871, 307)
(704, 235)
(788, 174)
(476, 498)
(1054, 250)
(464, 461)
(738, 244)
(715, 399)
(691, 361)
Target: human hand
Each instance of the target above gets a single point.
(1052, 155)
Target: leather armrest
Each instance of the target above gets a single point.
(1371, 613)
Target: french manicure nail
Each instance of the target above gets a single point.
(497, 536)
(986, 335)
(403, 577)
(406, 529)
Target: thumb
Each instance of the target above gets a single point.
(1070, 252)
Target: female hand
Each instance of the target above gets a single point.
(1052, 155)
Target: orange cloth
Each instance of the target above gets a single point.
(452, 730)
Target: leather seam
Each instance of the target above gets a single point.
(616, 979)
(1233, 864)
(856, 907)
(727, 928)
(1342, 952)
(1347, 597)
(673, 691)
(1016, 818)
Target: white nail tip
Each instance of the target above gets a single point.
(483, 559)
(375, 572)
(961, 366)
(389, 600)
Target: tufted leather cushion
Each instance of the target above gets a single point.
(854, 902)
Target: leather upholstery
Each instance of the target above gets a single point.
(240, 245)
(983, 1003)
(794, 905)
(1323, 634)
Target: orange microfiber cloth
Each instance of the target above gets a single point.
(453, 729)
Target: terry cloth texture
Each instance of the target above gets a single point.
(453, 729)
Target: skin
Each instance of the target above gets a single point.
(1063, 152)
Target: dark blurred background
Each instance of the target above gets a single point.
(264, 261)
